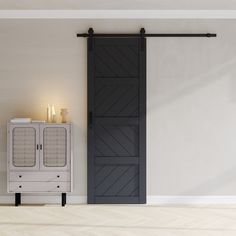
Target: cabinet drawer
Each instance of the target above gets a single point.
(39, 176)
(39, 187)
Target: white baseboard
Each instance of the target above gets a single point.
(160, 200)
(213, 199)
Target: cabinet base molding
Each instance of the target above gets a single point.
(18, 199)
(43, 199)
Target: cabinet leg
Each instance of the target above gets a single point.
(63, 199)
(17, 199)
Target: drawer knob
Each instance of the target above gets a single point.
(20, 176)
(58, 186)
(58, 176)
(20, 186)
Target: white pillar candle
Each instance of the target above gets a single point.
(48, 114)
(53, 114)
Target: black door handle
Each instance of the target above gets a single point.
(90, 120)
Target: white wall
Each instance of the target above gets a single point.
(191, 114)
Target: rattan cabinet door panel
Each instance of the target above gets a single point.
(55, 147)
(24, 146)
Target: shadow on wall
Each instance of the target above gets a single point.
(188, 87)
(178, 67)
(213, 184)
(191, 116)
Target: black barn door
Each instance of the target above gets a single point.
(116, 120)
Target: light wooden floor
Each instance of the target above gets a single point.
(122, 220)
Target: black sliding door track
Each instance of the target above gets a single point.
(143, 34)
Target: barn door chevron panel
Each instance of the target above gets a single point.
(116, 120)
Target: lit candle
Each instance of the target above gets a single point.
(53, 114)
(48, 114)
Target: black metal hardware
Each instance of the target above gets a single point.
(208, 35)
(41, 146)
(58, 176)
(58, 186)
(90, 120)
(63, 199)
(142, 34)
(20, 186)
(91, 34)
(37, 147)
(20, 176)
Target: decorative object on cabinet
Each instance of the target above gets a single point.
(51, 114)
(48, 113)
(54, 119)
(20, 120)
(39, 159)
(64, 113)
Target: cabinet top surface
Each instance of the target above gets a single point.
(39, 123)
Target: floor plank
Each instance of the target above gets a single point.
(125, 220)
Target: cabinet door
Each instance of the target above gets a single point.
(23, 147)
(55, 147)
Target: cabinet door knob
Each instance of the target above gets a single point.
(20, 176)
(58, 186)
(20, 186)
(58, 176)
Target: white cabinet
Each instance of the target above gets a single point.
(39, 159)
